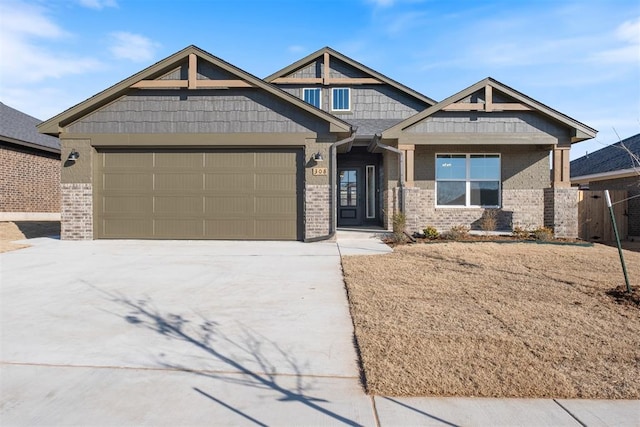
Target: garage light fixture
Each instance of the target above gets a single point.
(73, 156)
(318, 157)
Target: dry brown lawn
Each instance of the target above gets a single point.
(11, 231)
(496, 320)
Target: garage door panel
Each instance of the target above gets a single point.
(228, 228)
(127, 228)
(178, 161)
(129, 182)
(273, 183)
(178, 182)
(129, 205)
(128, 160)
(228, 182)
(178, 205)
(179, 228)
(274, 229)
(282, 207)
(211, 194)
(220, 206)
(282, 162)
(229, 160)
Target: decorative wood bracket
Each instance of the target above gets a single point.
(487, 106)
(192, 81)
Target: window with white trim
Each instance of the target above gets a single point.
(341, 99)
(468, 180)
(313, 96)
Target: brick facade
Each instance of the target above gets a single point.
(520, 208)
(561, 211)
(77, 212)
(29, 180)
(523, 208)
(317, 216)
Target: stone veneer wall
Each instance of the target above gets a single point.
(77, 212)
(561, 211)
(317, 215)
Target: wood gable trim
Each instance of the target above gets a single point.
(280, 77)
(148, 78)
(580, 131)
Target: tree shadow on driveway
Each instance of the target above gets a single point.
(206, 335)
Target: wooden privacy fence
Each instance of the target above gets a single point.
(594, 220)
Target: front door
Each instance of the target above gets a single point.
(350, 196)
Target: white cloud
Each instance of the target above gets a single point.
(404, 22)
(627, 50)
(29, 53)
(382, 3)
(296, 48)
(98, 4)
(132, 46)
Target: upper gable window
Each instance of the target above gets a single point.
(313, 96)
(341, 99)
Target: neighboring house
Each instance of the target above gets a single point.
(196, 148)
(29, 169)
(614, 167)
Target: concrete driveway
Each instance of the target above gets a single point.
(173, 332)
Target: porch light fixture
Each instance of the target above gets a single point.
(73, 156)
(318, 157)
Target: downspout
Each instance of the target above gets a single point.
(400, 153)
(332, 185)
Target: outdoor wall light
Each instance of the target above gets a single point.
(73, 156)
(318, 157)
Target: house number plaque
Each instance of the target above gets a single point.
(320, 171)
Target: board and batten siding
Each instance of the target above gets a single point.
(199, 111)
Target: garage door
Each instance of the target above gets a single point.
(221, 194)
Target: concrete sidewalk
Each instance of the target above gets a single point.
(211, 333)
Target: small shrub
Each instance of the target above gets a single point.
(430, 233)
(457, 232)
(489, 220)
(543, 234)
(521, 232)
(399, 222)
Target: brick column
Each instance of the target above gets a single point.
(77, 212)
(317, 215)
(561, 211)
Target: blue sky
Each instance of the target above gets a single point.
(579, 57)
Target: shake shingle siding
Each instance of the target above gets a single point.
(512, 122)
(176, 111)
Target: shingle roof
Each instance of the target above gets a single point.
(370, 127)
(608, 159)
(18, 127)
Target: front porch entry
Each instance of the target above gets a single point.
(358, 193)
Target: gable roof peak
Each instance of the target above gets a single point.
(353, 63)
(153, 72)
(523, 102)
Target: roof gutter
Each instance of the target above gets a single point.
(332, 185)
(375, 143)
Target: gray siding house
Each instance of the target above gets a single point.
(196, 148)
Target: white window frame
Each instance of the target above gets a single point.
(348, 89)
(468, 181)
(319, 89)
